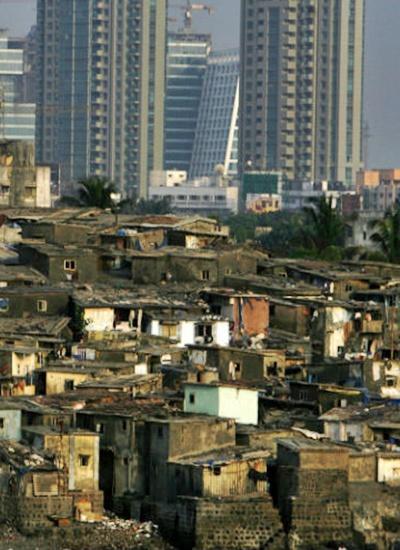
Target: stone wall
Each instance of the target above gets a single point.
(314, 505)
(232, 523)
(32, 514)
(376, 518)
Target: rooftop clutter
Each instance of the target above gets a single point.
(153, 368)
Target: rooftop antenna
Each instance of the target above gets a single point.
(189, 8)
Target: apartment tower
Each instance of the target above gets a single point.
(302, 88)
(100, 89)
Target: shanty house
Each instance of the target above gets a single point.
(223, 400)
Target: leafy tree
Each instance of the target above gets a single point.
(243, 226)
(387, 234)
(323, 229)
(133, 205)
(283, 234)
(153, 206)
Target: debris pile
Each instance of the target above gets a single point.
(109, 534)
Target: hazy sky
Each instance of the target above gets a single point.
(382, 75)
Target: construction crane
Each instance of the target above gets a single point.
(189, 9)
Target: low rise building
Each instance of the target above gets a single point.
(22, 183)
(210, 195)
(31, 488)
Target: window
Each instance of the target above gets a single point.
(41, 305)
(1, 423)
(217, 470)
(69, 265)
(126, 461)
(169, 330)
(205, 275)
(84, 460)
(100, 428)
(192, 398)
(160, 432)
(4, 303)
(204, 330)
(124, 425)
(69, 385)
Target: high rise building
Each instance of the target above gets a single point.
(100, 88)
(17, 118)
(216, 139)
(28, 45)
(302, 87)
(186, 66)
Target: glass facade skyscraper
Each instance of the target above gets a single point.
(100, 88)
(302, 88)
(17, 118)
(186, 66)
(216, 141)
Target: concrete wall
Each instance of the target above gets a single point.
(124, 438)
(201, 399)
(22, 363)
(337, 330)
(177, 439)
(362, 467)
(87, 270)
(69, 449)
(43, 181)
(238, 403)
(388, 467)
(10, 427)
(57, 303)
(55, 381)
(98, 319)
(345, 431)
(220, 333)
(223, 401)
(291, 318)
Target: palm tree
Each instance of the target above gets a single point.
(324, 229)
(387, 234)
(93, 191)
(96, 191)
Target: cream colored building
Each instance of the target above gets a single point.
(302, 88)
